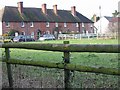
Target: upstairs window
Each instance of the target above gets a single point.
(47, 24)
(31, 24)
(22, 24)
(7, 24)
(56, 24)
(65, 24)
(76, 24)
(83, 25)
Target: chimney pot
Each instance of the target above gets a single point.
(73, 10)
(55, 9)
(94, 18)
(20, 7)
(44, 9)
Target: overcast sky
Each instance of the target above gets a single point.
(85, 7)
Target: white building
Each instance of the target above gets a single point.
(102, 24)
(1, 13)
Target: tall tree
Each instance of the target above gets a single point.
(116, 13)
(113, 29)
(95, 18)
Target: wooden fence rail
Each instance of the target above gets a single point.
(66, 48)
(75, 67)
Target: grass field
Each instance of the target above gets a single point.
(84, 41)
(81, 80)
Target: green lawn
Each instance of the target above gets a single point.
(87, 59)
(83, 41)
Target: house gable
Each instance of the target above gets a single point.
(108, 18)
(11, 14)
(0, 28)
(105, 22)
(1, 15)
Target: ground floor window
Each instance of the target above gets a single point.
(32, 35)
(23, 33)
(16, 33)
(47, 32)
(83, 30)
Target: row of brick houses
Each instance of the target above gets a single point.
(39, 21)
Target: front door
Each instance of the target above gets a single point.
(38, 34)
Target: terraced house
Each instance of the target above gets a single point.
(39, 21)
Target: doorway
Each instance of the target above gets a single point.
(38, 33)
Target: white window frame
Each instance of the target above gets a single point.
(47, 24)
(47, 32)
(91, 26)
(22, 24)
(31, 24)
(83, 25)
(77, 24)
(7, 24)
(32, 34)
(56, 24)
(65, 24)
(16, 34)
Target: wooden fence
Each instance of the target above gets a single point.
(66, 48)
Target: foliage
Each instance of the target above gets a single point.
(59, 28)
(116, 13)
(4, 35)
(113, 29)
(56, 30)
(12, 32)
(97, 18)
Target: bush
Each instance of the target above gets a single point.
(12, 32)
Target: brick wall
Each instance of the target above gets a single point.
(41, 27)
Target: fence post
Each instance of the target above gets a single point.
(66, 71)
(10, 79)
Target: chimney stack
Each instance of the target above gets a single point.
(20, 7)
(94, 18)
(73, 10)
(44, 9)
(55, 9)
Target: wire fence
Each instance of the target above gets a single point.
(53, 75)
(38, 77)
